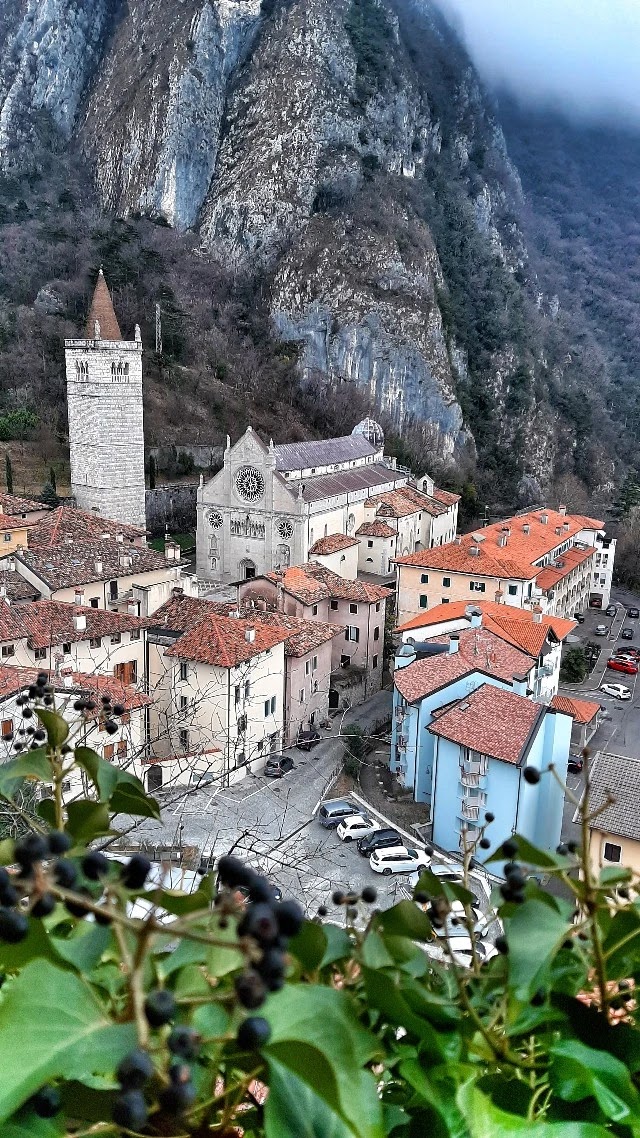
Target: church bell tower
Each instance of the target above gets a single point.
(104, 396)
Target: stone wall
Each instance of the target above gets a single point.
(173, 506)
(206, 456)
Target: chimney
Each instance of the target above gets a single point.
(566, 526)
(79, 597)
(559, 529)
(171, 550)
(120, 537)
(79, 621)
(474, 551)
(537, 614)
(526, 528)
(250, 635)
(457, 539)
(475, 617)
(99, 568)
(503, 539)
(11, 564)
(67, 680)
(124, 561)
(454, 643)
(132, 607)
(562, 509)
(544, 518)
(177, 591)
(498, 596)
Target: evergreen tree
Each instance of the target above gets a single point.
(152, 472)
(8, 473)
(52, 479)
(49, 496)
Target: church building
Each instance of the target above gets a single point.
(104, 395)
(270, 506)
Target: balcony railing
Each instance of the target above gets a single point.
(470, 812)
(470, 780)
(473, 768)
(544, 670)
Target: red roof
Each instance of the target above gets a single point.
(221, 641)
(13, 680)
(375, 529)
(303, 636)
(478, 650)
(9, 522)
(102, 310)
(11, 504)
(582, 710)
(445, 496)
(492, 721)
(549, 577)
(588, 523)
(311, 583)
(457, 558)
(333, 543)
(66, 523)
(181, 613)
(46, 624)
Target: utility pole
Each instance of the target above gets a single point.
(158, 330)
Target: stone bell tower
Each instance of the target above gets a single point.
(104, 395)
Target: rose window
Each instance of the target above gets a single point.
(285, 529)
(215, 518)
(249, 483)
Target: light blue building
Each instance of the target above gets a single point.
(462, 776)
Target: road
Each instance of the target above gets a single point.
(619, 733)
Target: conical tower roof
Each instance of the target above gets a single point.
(102, 310)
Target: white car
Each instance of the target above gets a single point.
(398, 859)
(618, 691)
(457, 913)
(601, 630)
(462, 954)
(357, 826)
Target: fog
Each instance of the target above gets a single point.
(584, 54)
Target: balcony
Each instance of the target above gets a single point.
(473, 768)
(468, 779)
(544, 670)
(472, 813)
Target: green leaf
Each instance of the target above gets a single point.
(485, 1120)
(293, 1110)
(386, 994)
(531, 855)
(434, 886)
(46, 809)
(28, 1125)
(124, 792)
(35, 945)
(218, 959)
(621, 943)
(536, 932)
(134, 800)
(614, 875)
(375, 953)
(339, 945)
(35, 765)
(437, 1087)
(55, 725)
(316, 1036)
(85, 947)
(309, 945)
(579, 1072)
(104, 776)
(180, 904)
(7, 851)
(406, 919)
(87, 820)
(51, 1025)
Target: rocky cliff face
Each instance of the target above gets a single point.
(341, 149)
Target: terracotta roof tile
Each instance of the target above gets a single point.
(102, 310)
(457, 558)
(478, 650)
(181, 613)
(65, 523)
(376, 528)
(549, 577)
(492, 721)
(333, 543)
(303, 636)
(46, 624)
(311, 583)
(588, 523)
(16, 588)
(445, 496)
(582, 710)
(502, 617)
(10, 504)
(221, 641)
(13, 680)
(75, 564)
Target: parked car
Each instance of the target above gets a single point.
(575, 764)
(308, 739)
(277, 765)
(630, 652)
(356, 826)
(619, 664)
(601, 630)
(611, 610)
(618, 691)
(379, 840)
(633, 613)
(579, 616)
(627, 634)
(457, 914)
(333, 810)
(596, 603)
(398, 860)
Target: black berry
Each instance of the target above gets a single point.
(489, 817)
(58, 842)
(110, 727)
(134, 874)
(538, 998)
(233, 872)
(77, 908)
(369, 895)
(251, 990)
(338, 897)
(66, 873)
(253, 1033)
(118, 709)
(573, 846)
(130, 1110)
(260, 922)
(531, 775)
(14, 927)
(31, 849)
(509, 848)
(160, 1007)
(272, 968)
(95, 865)
(134, 1070)
(44, 906)
(45, 1102)
(501, 945)
(8, 896)
(484, 844)
(184, 1041)
(562, 849)
(322, 910)
(421, 897)
(178, 1097)
(290, 917)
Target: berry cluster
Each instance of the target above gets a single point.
(130, 1108)
(350, 901)
(31, 891)
(267, 923)
(40, 692)
(107, 712)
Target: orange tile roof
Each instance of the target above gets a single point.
(47, 624)
(571, 559)
(588, 523)
(181, 613)
(332, 543)
(456, 557)
(11, 504)
(13, 680)
(102, 310)
(445, 496)
(404, 501)
(300, 584)
(582, 710)
(8, 522)
(492, 721)
(375, 529)
(312, 582)
(478, 651)
(496, 617)
(302, 635)
(221, 641)
(65, 522)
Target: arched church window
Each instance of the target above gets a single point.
(351, 523)
(126, 369)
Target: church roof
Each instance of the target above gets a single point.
(103, 311)
(322, 452)
(370, 477)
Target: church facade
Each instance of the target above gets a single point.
(106, 436)
(269, 505)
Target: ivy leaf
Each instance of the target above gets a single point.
(85, 947)
(531, 855)
(309, 945)
(35, 765)
(339, 945)
(316, 1037)
(30, 1126)
(46, 809)
(536, 932)
(293, 1110)
(579, 1072)
(406, 919)
(51, 1025)
(131, 799)
(55, 725)
(386, 994)
(622, 943)
(87, 820)
(485, 1120)
(435, 1087)
(123, 791)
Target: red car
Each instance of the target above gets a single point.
(618, 665)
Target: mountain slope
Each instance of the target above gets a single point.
(336, 177)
